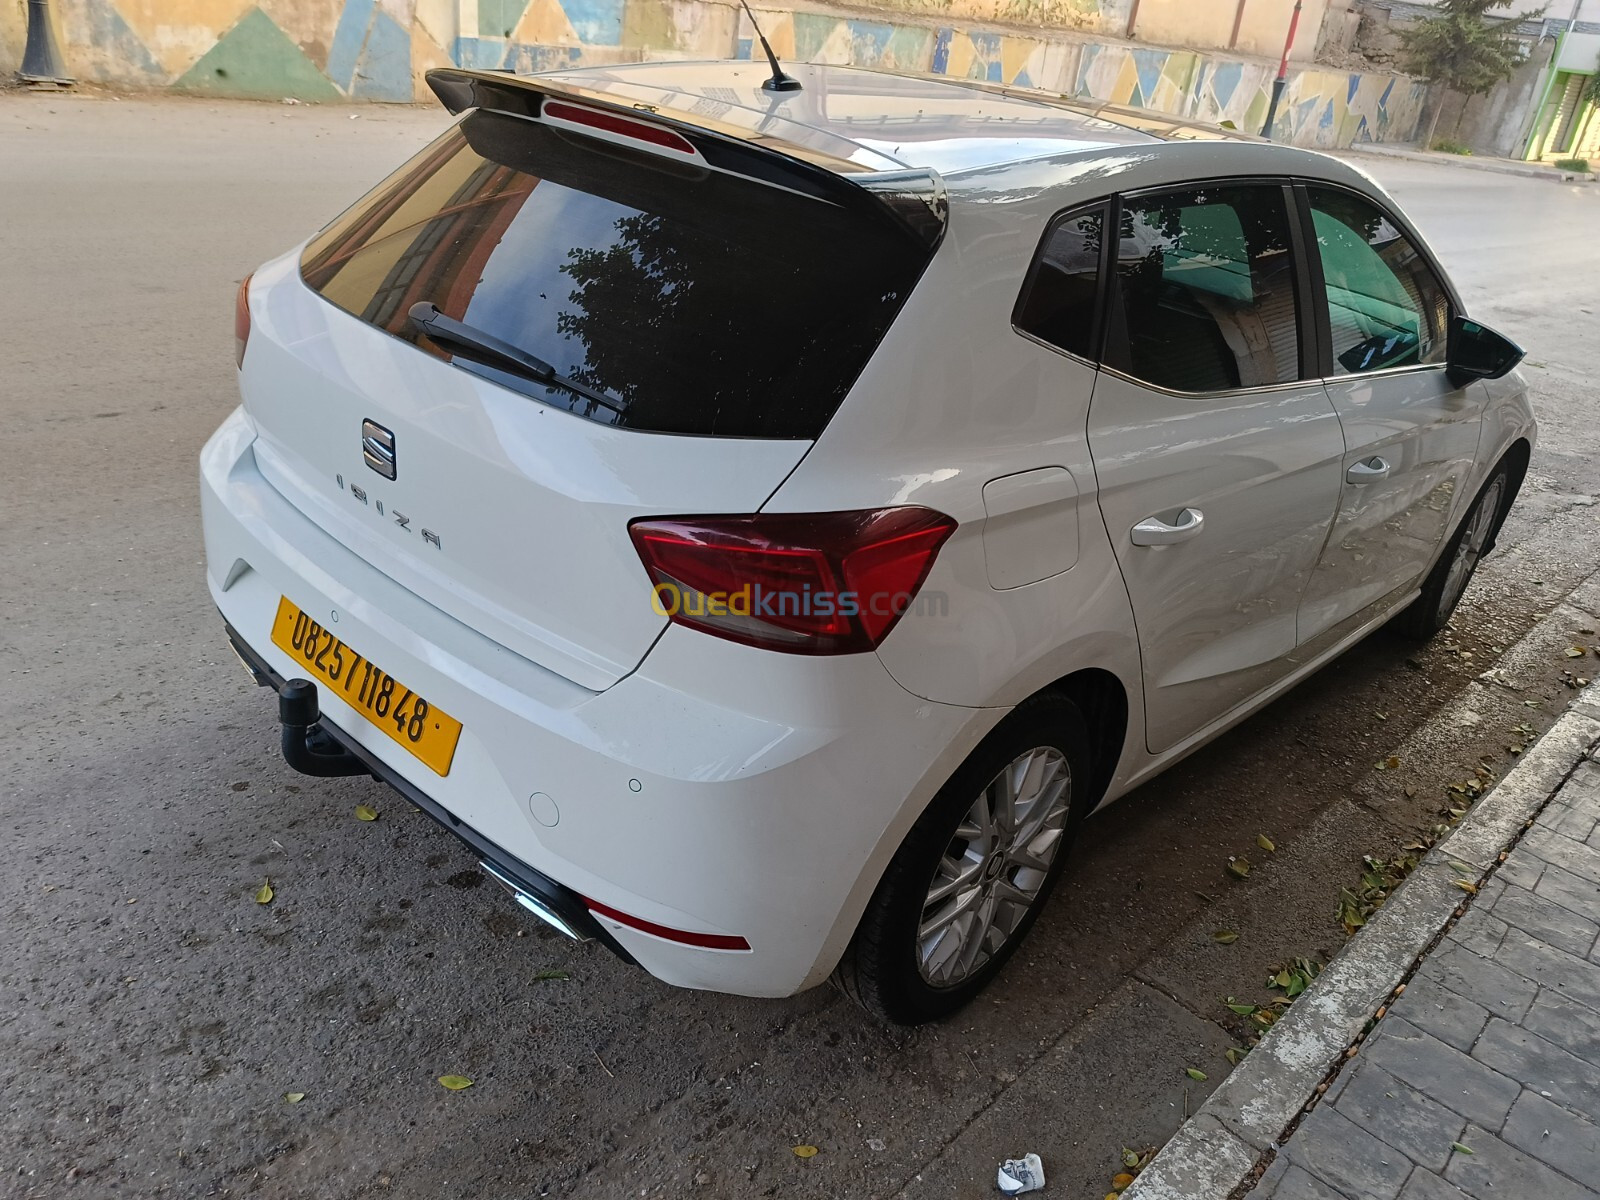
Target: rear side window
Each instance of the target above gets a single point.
(1386, 307)
(1203, 290)
(692, 301)
(1059, 303)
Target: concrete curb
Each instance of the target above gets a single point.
(1216, 1149)
(1495, 166)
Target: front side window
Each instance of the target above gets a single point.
(1203, 291)
(1386, 307)
(1059, 303)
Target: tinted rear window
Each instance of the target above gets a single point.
(699, 302)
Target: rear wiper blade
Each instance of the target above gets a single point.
(489, 350)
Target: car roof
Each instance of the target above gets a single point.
(875, 120)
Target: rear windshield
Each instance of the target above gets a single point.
(692, 301)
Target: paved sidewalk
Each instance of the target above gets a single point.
(1483, 1078)
(1499, 166)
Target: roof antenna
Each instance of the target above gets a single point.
(779, 81)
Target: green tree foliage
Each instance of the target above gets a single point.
(1462, 49)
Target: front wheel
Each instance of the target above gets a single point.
(972, 875)
(1447, 582)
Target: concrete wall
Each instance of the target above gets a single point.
(1497, 123)
(1205, 24)
(12, 31)
(379, 50)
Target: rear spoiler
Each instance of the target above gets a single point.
(913, 200)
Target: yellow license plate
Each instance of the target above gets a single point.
(427, 732)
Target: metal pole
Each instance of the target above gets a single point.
(41, 58)
(1238, 23)
(1282, 80)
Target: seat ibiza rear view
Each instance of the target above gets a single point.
(764, 524)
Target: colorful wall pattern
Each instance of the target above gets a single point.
(326, 50)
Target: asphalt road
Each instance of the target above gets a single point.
(152, 1016)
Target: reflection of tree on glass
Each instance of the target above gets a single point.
(701, 302)
(1204, 296)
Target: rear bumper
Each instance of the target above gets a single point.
(551, 902)
(718, 797)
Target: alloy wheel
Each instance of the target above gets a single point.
(991, 873)
(1470, 548)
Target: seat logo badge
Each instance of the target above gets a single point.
(377, 448)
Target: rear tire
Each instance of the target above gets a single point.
(973, 873)
(1447, 582)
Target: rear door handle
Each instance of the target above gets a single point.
(1153, 531)
(1368, 470)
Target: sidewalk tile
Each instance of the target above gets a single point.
(1425, 1185)
(1568, 890)
(1498, 988)
(1342, 1154)
(1521, 870)
(1452, 1078)
(1402, 1117)
(1434, 1008)
(1293, 1183)
(1583, 861)
(1555, 1136)
(1577, 822)
(1478, 932)
(1547, 921)
(1549, 967)
(1497, 1171)
(1540, 1065)
(1566, 1023)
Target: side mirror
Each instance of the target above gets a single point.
(1478, 352)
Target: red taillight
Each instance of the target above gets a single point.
(809, 583)
(241, 318)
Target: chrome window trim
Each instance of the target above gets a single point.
(1289, 386)
(1067, 354)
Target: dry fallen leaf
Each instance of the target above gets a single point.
(1576, 651)
(293, 1097)
(1265, 843)
(1466, 886)
(455, 1083)
(1225, 937)
(805, 1151)
(265, 894)
(365, 812)
(1239, 868)
(1121, 1180)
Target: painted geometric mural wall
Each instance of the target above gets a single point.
(325, 50)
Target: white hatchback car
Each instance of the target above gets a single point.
(763, 524)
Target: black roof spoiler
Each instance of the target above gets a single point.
(913, 199)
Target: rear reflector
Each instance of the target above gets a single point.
(241, 319)
(559, 112)
(810, 583)
(705, 941)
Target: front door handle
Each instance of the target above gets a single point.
(1368, 470)
(1153, 531)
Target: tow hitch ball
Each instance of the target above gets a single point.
(307, 747)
